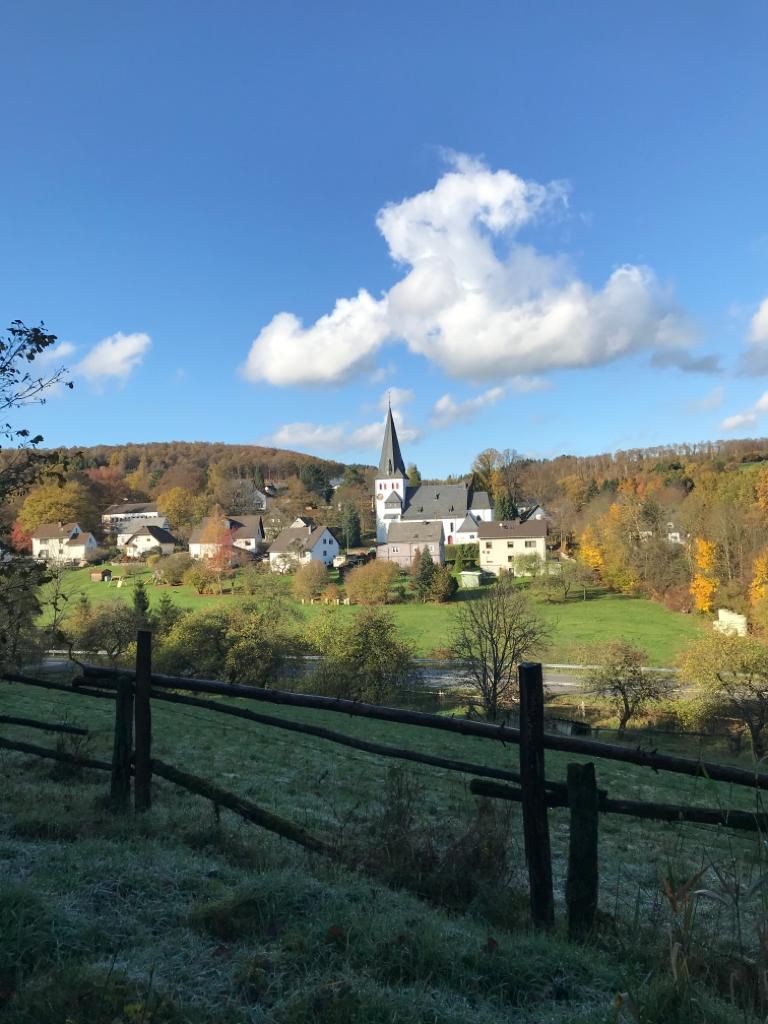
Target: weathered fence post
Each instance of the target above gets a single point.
(142, 787)
(122, 749)
(535, 825)
(582, 883)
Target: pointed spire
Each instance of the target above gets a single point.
(391, 461)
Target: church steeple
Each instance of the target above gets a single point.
(391, 462)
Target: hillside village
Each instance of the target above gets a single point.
(409, 519)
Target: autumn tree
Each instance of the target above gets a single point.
(54, 502)
(704, 583)
(618, 676)
(310, 581)
(443, 585)
(731, 676)
(182, 509)
(491, 636)
(370, 584)
(413, 474)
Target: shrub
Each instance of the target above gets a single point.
(443, 585)
(369, 584)
(310, 581)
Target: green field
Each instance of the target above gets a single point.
(605, 616)
(229, 924)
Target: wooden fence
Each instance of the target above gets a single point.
(133, 693)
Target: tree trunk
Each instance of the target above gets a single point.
(757, 739)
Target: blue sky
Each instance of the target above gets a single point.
(539, 226)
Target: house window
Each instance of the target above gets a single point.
(530, 543)
(510, 543)
(510, 558)
(487, 545)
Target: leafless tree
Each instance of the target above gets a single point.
(492, 634)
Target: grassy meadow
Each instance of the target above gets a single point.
(187, 914)
(604, 616)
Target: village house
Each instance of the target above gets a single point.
(245, 533)
(140, 513)
(466, 532)
(397, 502)
(149, 539)
(62, 543)
(299, 545)
(405, 539)
(502, 543)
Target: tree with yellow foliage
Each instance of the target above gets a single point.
(704, 583)
(758, 588)
(589, 550)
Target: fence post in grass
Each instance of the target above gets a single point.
(535, 824)
(122, 748)
(142, 787)
(582, 882)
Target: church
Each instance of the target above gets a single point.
(458, 507)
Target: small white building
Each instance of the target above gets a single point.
(62, 543)
(139, 512)
(299, 545)
(503, 542)
(467, 533)
(148, 539)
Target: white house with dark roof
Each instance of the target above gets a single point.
(63, 543)
(149, 539)
(405, 539)
(299, 545)
(397, 502)
(501, 543)
(467, 533)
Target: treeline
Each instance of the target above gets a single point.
(685, 524)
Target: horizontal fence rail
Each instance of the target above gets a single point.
(483, 730)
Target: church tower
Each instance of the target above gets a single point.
(391, 481)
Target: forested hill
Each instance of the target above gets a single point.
(159, 465)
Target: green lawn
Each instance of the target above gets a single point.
(316, 943)
(604, 616)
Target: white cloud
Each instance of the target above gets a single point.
(755, 359)
(526, 385)
(475, 300)
(749, 417)
(396, 397)
(334, 348)
(116, 356)
(338, 437)
(55, 354)
(758, 325)
(446, 411)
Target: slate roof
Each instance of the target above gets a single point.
(133, 507)
(468, 526)
(303, 537)
(130, 526)
(415, 533)
(156, 533)
(392, 499)
(54, 531)
(512, 529)
(439, 501)
(391, 461)
(480, 500)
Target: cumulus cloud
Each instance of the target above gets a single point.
(333, 349)
(749, 417)
(446, 411)
(755, 359)
(475, 300)
(338, 437)
(114, 357)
